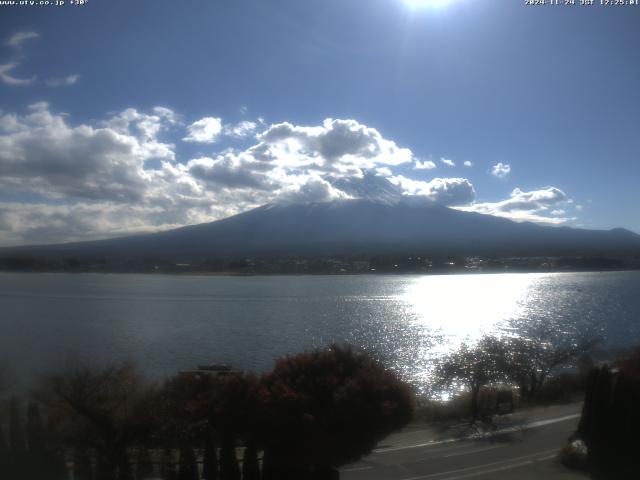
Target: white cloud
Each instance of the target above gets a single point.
(93, 181)
(63, 82)
(17, 39)
(41, 154)
(534, 206)
(230, 171)
(501, 170)
(312, 189)
(448, 162)
(468, 163)
(118, 176)
(241, 130)
(339, 146)
(8, 79)
(579, 208)
(445, 191)
(205, 130)
(426, 165)
(33, 223)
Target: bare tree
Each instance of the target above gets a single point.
(535, 348)
(473, 367)
(108, 409)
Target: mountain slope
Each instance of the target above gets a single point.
(352, 227)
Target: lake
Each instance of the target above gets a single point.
(168, 323)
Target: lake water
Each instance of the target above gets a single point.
(168, 323)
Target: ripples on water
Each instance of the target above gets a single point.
(167, 323)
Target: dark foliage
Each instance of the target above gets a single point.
(187, 464)
(144, 464)
(210, 460)
(314, 412)
(167, 465)
(39, 457)
(124, 469)
(4, 447)
(36, 435)
(17, 445)
(250, 465)
(229, 468)
(57, 467)
(184, 405)
(329, 407)
(108, 409)
(562, 388)
(82, 464)
(194, 405)
(237, 407)
(610, 422)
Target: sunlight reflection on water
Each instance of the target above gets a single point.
(452, 309)
(466, 306)
(167, 323)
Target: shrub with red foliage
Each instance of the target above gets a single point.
(184, 406)
(329, 407)
(630, 365)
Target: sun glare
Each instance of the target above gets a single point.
(426, 3)
(488, 300)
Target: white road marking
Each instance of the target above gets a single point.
(500, 469)
(450, 448)
(471, 452)
(528, 426)
(355, 469)
(497, 466)
(456, 454)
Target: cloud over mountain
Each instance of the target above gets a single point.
(314, 189)
(534, 206)
(338, 146)
(444, 191)
(62, 181)
(230, 171)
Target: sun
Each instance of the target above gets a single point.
(426, 3)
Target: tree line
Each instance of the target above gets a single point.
(527, 353)
(312, 413)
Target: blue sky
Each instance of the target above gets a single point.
(120, 116)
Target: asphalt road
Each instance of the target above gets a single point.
(520, 453)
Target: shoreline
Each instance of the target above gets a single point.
(319, 274)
